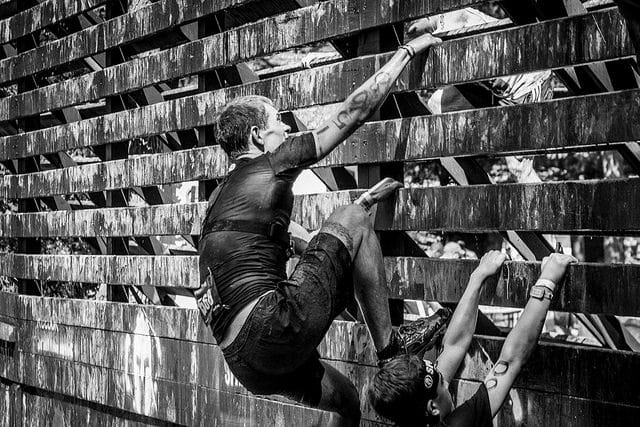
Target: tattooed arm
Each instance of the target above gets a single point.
(459, 333)
(524, 336)
(367, 98)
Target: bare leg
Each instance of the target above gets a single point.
(340, 397)
(352, 225)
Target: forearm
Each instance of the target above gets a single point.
(463, 322)
(524, 336)
(516, 350)
(359, 105)
(459, 333)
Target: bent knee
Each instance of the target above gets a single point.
(351, 217)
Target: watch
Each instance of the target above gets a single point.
(540, 292)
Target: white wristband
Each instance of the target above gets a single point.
(549, 284)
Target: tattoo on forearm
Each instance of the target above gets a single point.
(362, 100)
(501, 367)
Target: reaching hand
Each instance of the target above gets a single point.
(554, 266)
(424, 42)
(490, 263)
(423, 26)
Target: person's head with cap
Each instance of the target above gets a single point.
(410, 392)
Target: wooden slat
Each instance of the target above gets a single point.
(489, 62)
(581, 122)
(230, 409)
(143, 22)
(46, 13)
(308, 25)
(163, 271)
(577, 371)
(608, 376)
(568, 206)
(155, 169)
(154, 398)
(589, 287)
(571, 206)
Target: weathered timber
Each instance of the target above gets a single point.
(143, 22)
(560, 207)
(588, 287)
(491, 62)
(155, 362)
(162, 271)
(322, 83)
(318, 22)
(46, 13)
(155, 398)
(565, 207)
(582, 122)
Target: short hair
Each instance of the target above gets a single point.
(232, 126)
(397, 391)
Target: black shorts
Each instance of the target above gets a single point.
(275, 350)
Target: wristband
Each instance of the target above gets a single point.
(410, 50)
(549, 284)
(540, 292)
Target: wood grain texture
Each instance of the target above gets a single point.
(570, 206)
(46, 13)
(581, 122)
(161, 270)
(588, 287)
(143, 22)
(307, 25)
(141, 363)
(492, 62)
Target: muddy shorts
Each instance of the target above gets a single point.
(275, 350)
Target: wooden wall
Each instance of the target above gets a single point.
(94, 75)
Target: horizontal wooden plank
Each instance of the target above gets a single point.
(553, 368)
(142, 22)
(148, 170)
(308, 25)
(231, 409)
(159, 399)
(588, 287)
(569, 206)
(562, 207)
(140, 73)
(42, 15)
(580, 122)
(165, 271)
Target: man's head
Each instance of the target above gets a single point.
(249, 123)
(410, 391)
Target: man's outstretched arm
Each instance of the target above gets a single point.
(524, 336)
(367, 98)
(458, 337)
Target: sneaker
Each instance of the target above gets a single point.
(422, 334)
(378, 192)
(416, 337)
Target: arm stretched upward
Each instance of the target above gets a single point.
(367, 98)
(524, 336)
(459, 333)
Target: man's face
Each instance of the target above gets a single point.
(276, 131)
